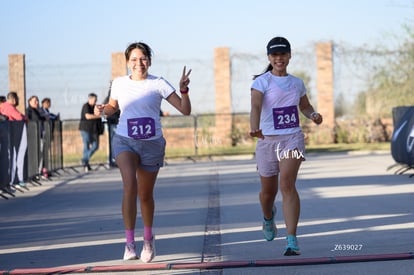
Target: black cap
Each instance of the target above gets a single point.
(278, 45)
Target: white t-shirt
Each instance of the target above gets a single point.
(140, 103)
(281, 96)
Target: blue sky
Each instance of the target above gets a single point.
(73, 31)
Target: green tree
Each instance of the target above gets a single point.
(340, 105)
(392, 84)
(360, 104)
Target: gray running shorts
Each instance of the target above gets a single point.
(150, 152)
(272, 149)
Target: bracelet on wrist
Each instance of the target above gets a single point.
(185, 92)
(312, 114)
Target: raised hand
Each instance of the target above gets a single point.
(98, 110)
(185, 80)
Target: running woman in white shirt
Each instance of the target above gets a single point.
(274, 119)
(138, 145)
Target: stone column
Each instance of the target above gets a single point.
(119, 67)
(222, 75)
(324, 63)
(17, 79)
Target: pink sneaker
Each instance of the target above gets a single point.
(130, 253)
(148, 250)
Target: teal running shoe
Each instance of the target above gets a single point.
(292, 248)
(269, 227)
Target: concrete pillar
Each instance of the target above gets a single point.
(222, 75)
(324, 63)
(17, 79)
(119, 67)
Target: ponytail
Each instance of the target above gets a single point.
(268, 68)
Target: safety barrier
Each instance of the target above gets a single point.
(402, 142)
(29, 150)
(13, 149)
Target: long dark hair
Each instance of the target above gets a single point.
(146, 50)
(268, 68)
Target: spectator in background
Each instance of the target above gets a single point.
(9, 109)
(35, 114)
(2, 100)
(89, 127)
(33, 111)
(4, 149)
(18, 152)
(112, 122)
(46, 104)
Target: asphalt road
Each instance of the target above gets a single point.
(356, 218)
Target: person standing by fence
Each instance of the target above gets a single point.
(9, 109)
(90, 129)
(18, 148)
(274, 119)
(33, 111)
(2, 100)
(46, 104)
(139, 145)
(39, 118)
(112, 122)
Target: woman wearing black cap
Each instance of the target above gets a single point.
(274, 119)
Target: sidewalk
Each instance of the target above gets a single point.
(354, 211)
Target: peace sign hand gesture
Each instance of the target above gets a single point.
(184, 81)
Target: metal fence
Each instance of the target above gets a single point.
(29, 150)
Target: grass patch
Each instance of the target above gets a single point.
(75, 159)
(211, 151)
(347, 147)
